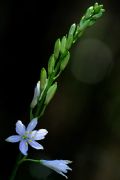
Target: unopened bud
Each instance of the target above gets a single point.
(72, 29)
(92, 22)
(51, 64)
(96, 8)
(89, 12)
(43, 78)
(65, 61)
(57, 48)
(84, 25)
(96, 16)
(51, 93)
(69, 42)
(63, 45)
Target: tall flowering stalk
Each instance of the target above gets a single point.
(45, 90)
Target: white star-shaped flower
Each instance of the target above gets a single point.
(27, 136)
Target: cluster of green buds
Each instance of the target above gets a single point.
(60, 58)
(92, 14)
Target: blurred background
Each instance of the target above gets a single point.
(83, 119)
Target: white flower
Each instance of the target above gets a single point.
(36, 95)
(60, 166)
(27, 136)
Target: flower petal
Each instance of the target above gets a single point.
(40, 134)
(62, 174)
(32, 124)
(37, 90)
(57, 165)
(62, 164)
(35, 144)
(20, 128)
(13, 139)
(66, 161)
(23, 146)
(32, 134)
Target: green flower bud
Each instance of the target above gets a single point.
(97, 16)
(101, 6)
(72, 29)
(51, 64)
(92, 22)
(63, 45)
(69, 42)
(65, 62)
(96, 8)
(89, 12)
(51, 92)
(43, 78)
(96, 5)
(80, 33)
(57, 48)
(102, 10)
(84, 25)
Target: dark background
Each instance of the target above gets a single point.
(83, 119)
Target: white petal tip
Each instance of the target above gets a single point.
(70, 169)
(68, 161)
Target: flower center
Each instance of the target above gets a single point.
(25, 136)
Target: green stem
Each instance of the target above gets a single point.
(14, 172)
(15, 167)
(31, 160)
